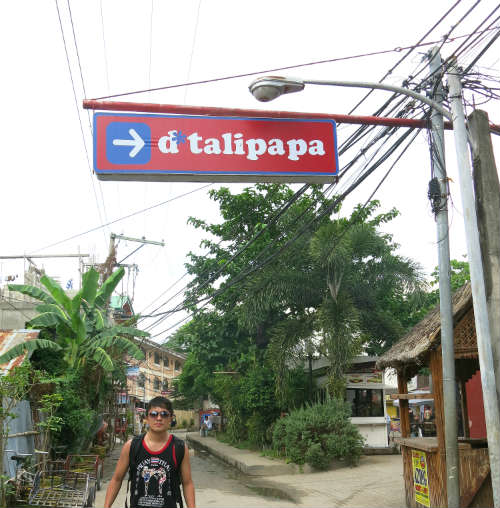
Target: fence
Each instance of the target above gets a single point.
(187, 416)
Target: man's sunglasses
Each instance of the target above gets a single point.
(155, 414)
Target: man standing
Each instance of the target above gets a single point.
(158, 464)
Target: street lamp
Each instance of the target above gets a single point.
(268, 88)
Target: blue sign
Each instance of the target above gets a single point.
(128, 143)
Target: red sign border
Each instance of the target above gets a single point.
(214, 176)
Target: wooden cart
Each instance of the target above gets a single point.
(62, 489)
(424, 458)
(91, 464)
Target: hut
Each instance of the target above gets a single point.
(424, 461)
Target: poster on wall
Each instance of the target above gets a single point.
(420, 478)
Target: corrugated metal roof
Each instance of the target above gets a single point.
(11, 338)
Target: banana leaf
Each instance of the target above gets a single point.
(123, 330)
(90, 283)
(28, 346)
(109, 285)
(103, 359)
(45, 320)
(123, 344)
(57, 292)
(34, 292)
(51, 307)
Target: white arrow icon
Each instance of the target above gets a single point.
(137, 142)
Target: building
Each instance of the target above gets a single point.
(365, 390)
(15, 308)
(153, 376)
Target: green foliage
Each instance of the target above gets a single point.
(78, 420)
(318, 434)
(15, 386)
(77, 327)
(335, 290)
(415, 306)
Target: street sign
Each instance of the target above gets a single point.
(145, 147)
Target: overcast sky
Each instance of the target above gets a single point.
(48, 190)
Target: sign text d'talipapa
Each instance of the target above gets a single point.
(214, 149)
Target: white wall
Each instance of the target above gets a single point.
(373, 429)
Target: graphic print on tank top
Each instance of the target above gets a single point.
(153, 485)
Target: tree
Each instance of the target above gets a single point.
(328, 288)
(339, 293)
(78, 327)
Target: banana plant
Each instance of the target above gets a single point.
(81, 328)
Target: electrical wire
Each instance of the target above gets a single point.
(123, 218)
(78, 114)
(277, 69)
(415, 135)
(307, 228)
(410, 50)
(342, 149)
(103, 201)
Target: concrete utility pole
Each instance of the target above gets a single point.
(111, 260)
(439, 198)
(487, 190)
(490, 400)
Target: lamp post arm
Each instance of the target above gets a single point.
(382, 86)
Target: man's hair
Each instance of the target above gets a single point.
(159, 402)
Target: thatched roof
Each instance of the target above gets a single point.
(426, 335)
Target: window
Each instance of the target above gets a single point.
(150, 355)
(177, 365)
(164, 385)
(365, 402)
(165, 361)
(157, 358)
(157, 384)
(141, 380)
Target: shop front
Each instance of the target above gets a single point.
(365, 390)
(424, 458)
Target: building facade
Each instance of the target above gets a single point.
(365, 390)
(153, 376)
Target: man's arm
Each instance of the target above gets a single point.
(116, 481)
(187, 481)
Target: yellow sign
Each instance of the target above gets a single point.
(420, 478)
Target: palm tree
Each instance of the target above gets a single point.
(333, 293)
(79, 325)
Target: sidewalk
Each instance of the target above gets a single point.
(376, 482)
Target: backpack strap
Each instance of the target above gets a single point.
(178, 455)
(135, 446)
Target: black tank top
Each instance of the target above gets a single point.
(154, 481)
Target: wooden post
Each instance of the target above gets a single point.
(404, 416)
(465, 410)
(487, 193)
(437, 382)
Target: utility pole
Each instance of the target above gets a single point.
(438, 193)
(111, 261)
(487, 192)
(490, 400)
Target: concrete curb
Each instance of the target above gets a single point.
(245, 461)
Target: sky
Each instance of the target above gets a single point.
(56, 53)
